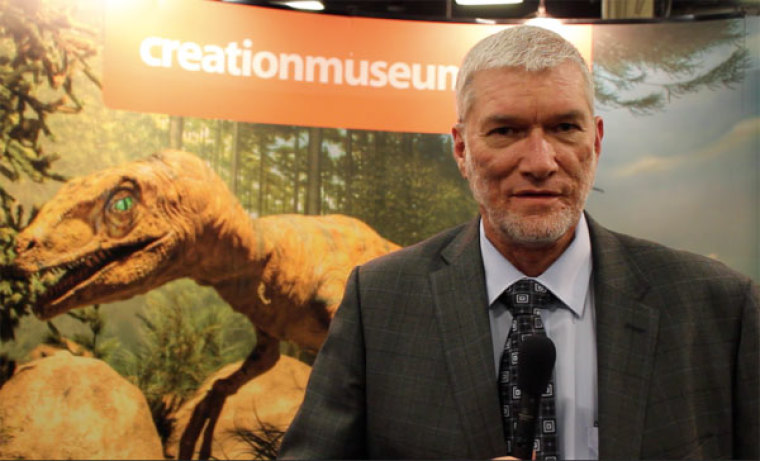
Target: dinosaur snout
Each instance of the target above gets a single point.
(24, 245)
(25, 262)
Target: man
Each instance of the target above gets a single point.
(657, 350)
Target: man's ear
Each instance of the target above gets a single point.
(599, 126)
(460, 150)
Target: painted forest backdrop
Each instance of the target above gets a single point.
(679, 165)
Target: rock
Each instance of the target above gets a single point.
(264, 407)
(67, 407)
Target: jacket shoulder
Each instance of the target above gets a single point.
(661, 259)
(662, 266)
(424, 256)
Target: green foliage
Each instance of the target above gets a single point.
(17, 294)
(42, 50)
(404, 185)
(94, 343)
(187, 334)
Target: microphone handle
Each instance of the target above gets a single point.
(525, 431)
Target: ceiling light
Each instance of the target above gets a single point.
(311, 5)
(487, 2)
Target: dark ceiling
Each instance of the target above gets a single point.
(574, 10)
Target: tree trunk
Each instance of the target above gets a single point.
(314, 172)
(296, 167)
(378, 175)
(262, 175)
(218, 148)
(235, 164)
(203, 150)
(176, 126)
(349, 175)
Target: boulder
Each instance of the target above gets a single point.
(67, 407)
(259, 412)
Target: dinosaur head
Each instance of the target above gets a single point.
(113, 234)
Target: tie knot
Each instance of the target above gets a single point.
(525, 296)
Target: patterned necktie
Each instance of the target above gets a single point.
(524, 300)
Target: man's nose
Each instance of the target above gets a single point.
(539, 157)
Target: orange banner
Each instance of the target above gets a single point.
(217, 60)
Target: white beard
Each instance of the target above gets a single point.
(532, 230)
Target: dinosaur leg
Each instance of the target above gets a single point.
(206, 413)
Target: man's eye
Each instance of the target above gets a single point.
(502, 131)
(566, 127)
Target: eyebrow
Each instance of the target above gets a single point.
(500, 119)
(569, 115)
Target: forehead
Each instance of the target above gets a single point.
(516, 91)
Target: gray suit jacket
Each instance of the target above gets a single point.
(407, 369)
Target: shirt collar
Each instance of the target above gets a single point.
(568, 277)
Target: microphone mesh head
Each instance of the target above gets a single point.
(535, 364)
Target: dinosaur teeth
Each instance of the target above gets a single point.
(50, 276)
(55, 283)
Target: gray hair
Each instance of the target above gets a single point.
(531, 48)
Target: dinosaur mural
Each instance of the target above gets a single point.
(124, 231)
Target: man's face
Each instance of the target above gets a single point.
(529, 146)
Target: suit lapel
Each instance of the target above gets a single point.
(461, 308)
(626, 340)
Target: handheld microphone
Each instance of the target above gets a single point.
(534, 370)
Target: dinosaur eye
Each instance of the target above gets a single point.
(120, 213)
(123, 204)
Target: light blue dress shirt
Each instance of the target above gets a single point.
(570, 325)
